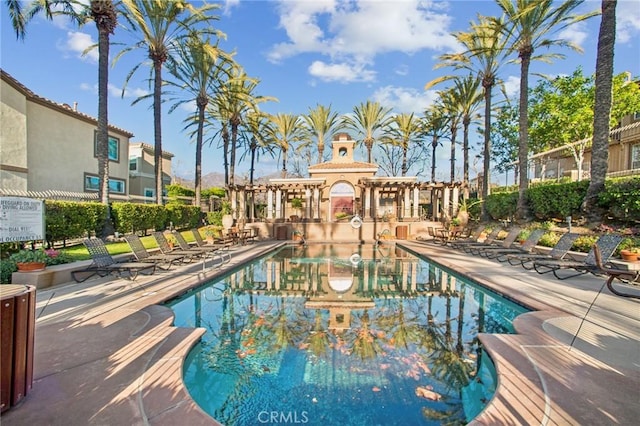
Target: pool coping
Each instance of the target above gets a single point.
(127, 364)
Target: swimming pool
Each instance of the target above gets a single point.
(342, 334)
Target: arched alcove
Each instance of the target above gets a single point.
(342, 196)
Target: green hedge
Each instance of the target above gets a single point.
(66, 219)
(138, 218)
(556, 201)
(548, 201)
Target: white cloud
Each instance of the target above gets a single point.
(356, 31)
(575, 33)
(512, 86)
(342, 72)
(627, 21)
(76, 43)
(404, 99)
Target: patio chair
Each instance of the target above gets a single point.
(163, 261)
(607, 245)
(527, 246)
(222, 248)
(506, 243)
(473, 237)
(104, 264)
(559, 251)
(467, 245)
(165, 248)
(184, 246)
(613, 273)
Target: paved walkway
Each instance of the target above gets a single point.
(107, 353)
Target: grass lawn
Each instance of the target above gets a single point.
(79, 252)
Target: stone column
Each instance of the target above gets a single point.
(270, 204)
(366, 201)
(407, 203)
(445, 201)
(307, 205)
(316, 200)
(278, 204)
(376, 201)
(416, 202)
(454, 202)
(234, 203)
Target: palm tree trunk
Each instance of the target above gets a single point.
(232, 161)
(602, 109)
(434, 145)
(465, 156)
(103, 126)
(453, 154)
(523, 129)
(199, 137)
(225, 153)
(157, 127)
(486, 164)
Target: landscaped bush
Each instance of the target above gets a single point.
(130, 217)
(182, 216)
(622, 198)
(549, 239)
(556, 201)
(502, 206)
(66, 220)
(584, 243)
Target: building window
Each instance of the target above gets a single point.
(149, 192)
(635, 156)
(133, 164)
(92, 183)
(636, 115)
(114, 148)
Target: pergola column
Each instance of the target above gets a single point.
(435, 203)
(316, 198)
(366, 200)
(406, 202)
(445, 202)
(242, 200)
(454, 203)
(376, 200)
(270, 204)
(278, 204)
(307, 205)
(416, 202)
(234, 203)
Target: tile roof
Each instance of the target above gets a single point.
(63, 108)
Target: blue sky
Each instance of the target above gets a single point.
(329, 52)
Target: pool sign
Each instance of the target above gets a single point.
(21, 219)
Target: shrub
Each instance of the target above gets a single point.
(549, 239)
(7, 267)
(621, 198)
(584, 243)
(549, 201)
(502, 206)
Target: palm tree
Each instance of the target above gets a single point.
(469, 98)
(602, 108)
(257, 125)
(103, 13)
(235, 100)
(160, 27)
(405, 129)
(286, 129)
(321, 122)
(197, 67)
(530, 26)
(484, 54)
(436, 123)
(450, 100)
(367, 119)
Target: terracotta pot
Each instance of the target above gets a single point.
(628, 256)
(31, 266)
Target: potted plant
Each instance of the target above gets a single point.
(631, 254)
(297, 235)
(30, 260)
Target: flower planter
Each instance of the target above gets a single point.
(31, 266)
(629, 256)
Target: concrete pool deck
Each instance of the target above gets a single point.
(107, 354)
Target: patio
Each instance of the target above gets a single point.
(106, 353)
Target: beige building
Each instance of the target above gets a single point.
(52, 146)
(574, 160)
(142, 177)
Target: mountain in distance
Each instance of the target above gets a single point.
(215, 179)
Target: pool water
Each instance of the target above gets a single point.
(342, 335)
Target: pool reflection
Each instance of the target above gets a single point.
(347, 334)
